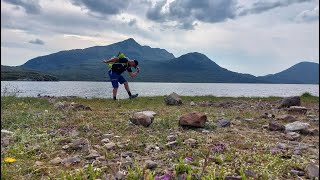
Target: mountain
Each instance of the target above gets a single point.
(85, 64)
(157, 65)
(191, 67)
(9, 73)
(301, 73)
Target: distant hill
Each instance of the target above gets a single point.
(301, 73)
(157, 65)
(9, 73)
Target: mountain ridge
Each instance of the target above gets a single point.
(157, 65)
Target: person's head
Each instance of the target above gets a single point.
(133, 63)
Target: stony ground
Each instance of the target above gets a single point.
(75, 138)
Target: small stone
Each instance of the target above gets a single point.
(312, 171)
(297, 172)
(110, 145)
(109, 135)
(191, 142)
(105, 140)
(5, 132)
(120, 176)
(192, 103)
(171, 144)
(65, 147)
(223, 123)
(171, 138)
(297, 110)
(39, 163)
(275, 126)
(292, 136)
(93, 154)
(71, 160)
(55, 161)
(287, 118)
(151, 164)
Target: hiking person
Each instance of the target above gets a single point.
(117, 66)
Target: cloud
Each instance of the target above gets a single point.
(102, 7)
(308, 15)
(186, 12)
(30, 6)
(37, 41)
(263, 6)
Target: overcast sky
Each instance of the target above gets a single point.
(258, 37)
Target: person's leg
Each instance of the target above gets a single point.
(115, 84)
(114, 92)
(126, 86)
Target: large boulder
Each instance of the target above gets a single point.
(144, 118)
(173, 99)
(290, 101)
(296, 126)
(194, 119)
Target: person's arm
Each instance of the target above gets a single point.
(114, 59)
(134, 74)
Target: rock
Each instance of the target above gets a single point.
(171, 144)
(109, 135)
(39, 163)
(171, 138)
(312, 132)
(151, 164)
(267, 115)
(74, 106)
(126, 154)
(93, 154)
(148, 148)
(290, 101)
(275, 126)
(287, 118)
(192, 103)
(233, 178)
(55, 161)
(173, 99)
(5, 132)
(119, 175)
(71, 160)
(292, 136)
(297, 110)
(140, 118)
(5, 141)
(105, 140)
(194, 119)
(110, 145)
(151, 114)
(223, 123)
(109, 177)
(191, 142)
(65, 147)
(297, 172)
(79, 144)
(312, 171)
(296, 126)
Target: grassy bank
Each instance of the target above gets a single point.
(41, 133)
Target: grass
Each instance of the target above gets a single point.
(40, 131)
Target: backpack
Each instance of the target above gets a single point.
(119, 56)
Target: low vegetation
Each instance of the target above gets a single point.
(42, 133)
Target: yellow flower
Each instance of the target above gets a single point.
(9, 160)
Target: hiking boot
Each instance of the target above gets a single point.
(133, 96)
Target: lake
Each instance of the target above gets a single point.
(104, 89)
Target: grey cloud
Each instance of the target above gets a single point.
(186, 12)
(308, 15)
(154, 13)
(37, 41)
(262, 6)
(132, 22)
(30, 6)
(103, 7)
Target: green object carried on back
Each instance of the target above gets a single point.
(120, 55)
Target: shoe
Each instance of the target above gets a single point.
(133, 96)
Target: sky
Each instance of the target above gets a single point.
(257, 37)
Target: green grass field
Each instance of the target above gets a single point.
(40, 132)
